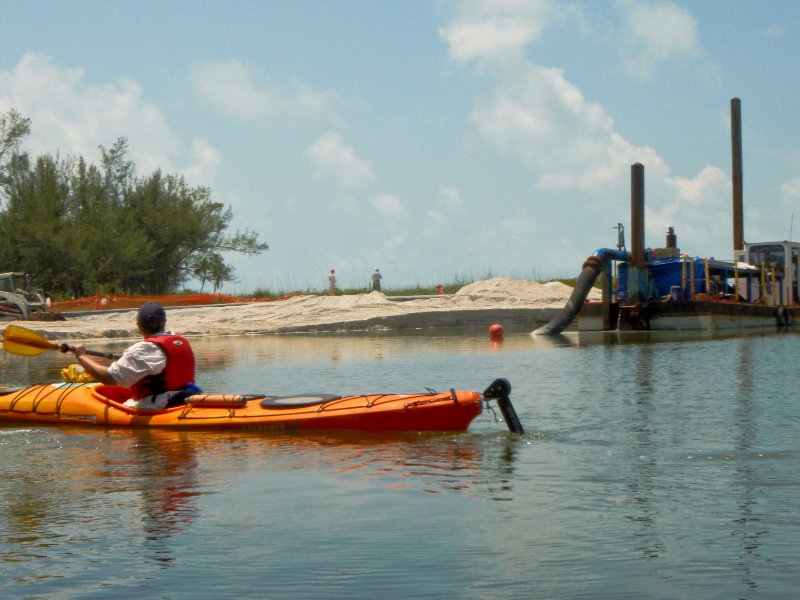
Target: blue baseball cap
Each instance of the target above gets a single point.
(151, 313)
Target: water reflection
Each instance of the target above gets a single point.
(27, 510)
(123, 480)
(165, 466)
(587, 339)
(132, 492)
(429, 462)
(644, 466)
(718, 387)
(748, 527)
(594, 338)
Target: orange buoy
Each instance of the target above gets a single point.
(496, 331)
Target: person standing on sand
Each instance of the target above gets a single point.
(332, 283)
(155, 369)
(376, 280)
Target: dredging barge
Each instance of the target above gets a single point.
(662, 289)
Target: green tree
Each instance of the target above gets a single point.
(13, 127)
(34, 221)
(112, 248)
(212, 268)
(185, 227)
(80, 229)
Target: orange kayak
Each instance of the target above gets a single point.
(102, 405)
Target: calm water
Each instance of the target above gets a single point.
(651, 469)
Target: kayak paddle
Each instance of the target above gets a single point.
(18, 340)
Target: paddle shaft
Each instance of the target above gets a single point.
(67, 348)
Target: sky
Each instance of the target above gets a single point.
(439, 140)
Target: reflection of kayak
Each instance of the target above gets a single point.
(99, 404)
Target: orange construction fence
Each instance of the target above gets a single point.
(114, 301)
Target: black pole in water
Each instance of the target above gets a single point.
(736, 174)
(499, 391)
(636, 278)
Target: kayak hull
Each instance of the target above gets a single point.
(102, 405)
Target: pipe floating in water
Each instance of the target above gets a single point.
(592, 267)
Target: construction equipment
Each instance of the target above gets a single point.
(17, 301)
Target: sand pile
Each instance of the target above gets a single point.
(516, 291)
(504, 300)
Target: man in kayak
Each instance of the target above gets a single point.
(155, 369)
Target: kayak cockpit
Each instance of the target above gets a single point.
(118, 395)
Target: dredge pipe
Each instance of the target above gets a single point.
(591, 269)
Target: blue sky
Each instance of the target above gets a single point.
(435, 139)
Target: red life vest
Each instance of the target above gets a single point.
(178, 373)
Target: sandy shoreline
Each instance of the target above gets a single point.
(512, 302)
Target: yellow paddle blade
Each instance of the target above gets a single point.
(18, 340)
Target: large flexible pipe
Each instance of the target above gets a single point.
(592, 267)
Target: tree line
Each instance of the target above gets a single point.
(80, 229)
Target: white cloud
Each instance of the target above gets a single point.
(661, 32)
(519, 229)
(389, 206)
(435, 220)
(700, 207)
(492, 39)
(237, 89)
(72, 117)
(608, 168)
(450, 197)
(207, 161)
(709, 182)
(332, 158)
(396, 239)
(447, 206)
(536, 114)
(496, 30)
(775, 31)
(546, 121)
(790, 191)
